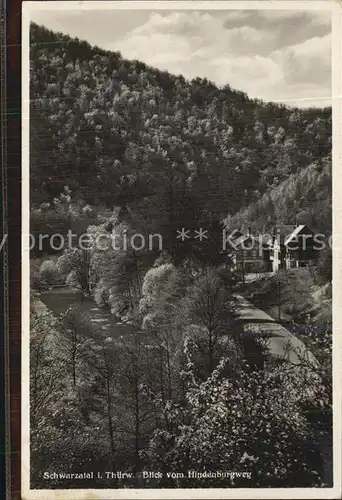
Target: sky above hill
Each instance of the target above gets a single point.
(276, 55)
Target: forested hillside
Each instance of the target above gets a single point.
(121, 132)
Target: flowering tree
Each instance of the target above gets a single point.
(162, 316)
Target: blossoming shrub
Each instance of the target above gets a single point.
(247, 422)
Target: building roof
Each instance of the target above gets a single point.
(285, 233)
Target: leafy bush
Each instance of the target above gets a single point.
(189, 137)
(49, 274)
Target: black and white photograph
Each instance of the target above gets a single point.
(178, 217)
